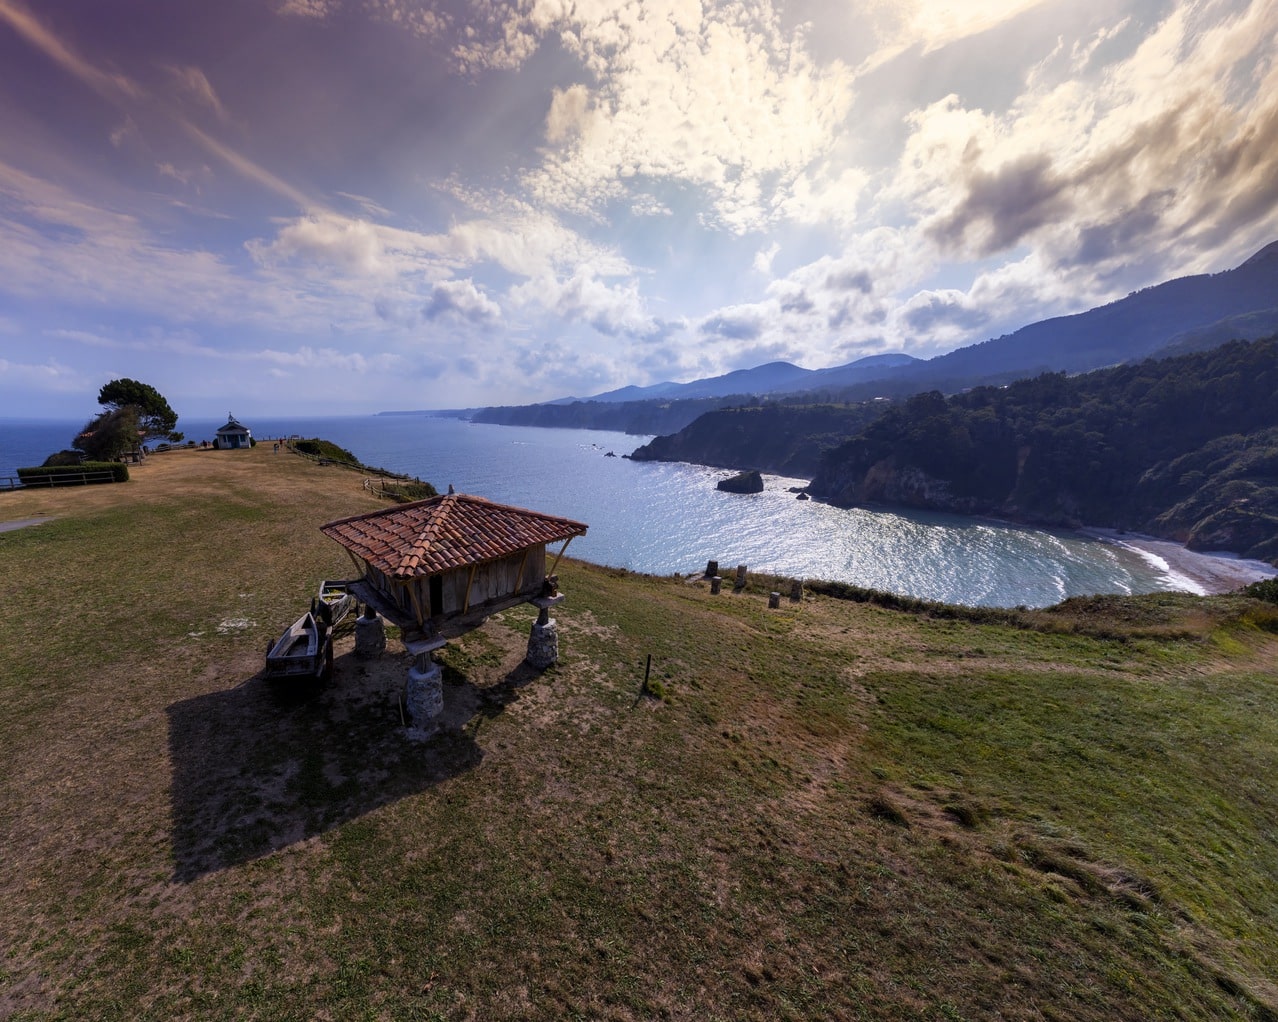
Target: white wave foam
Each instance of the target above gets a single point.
(1175, 579)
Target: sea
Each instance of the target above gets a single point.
(661, 519)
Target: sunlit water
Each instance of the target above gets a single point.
(663, 518)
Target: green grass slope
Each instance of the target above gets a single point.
(837, 810)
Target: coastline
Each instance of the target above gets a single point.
(1206, 574)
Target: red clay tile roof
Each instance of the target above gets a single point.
(444, 533)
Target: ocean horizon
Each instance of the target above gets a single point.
(662, 518)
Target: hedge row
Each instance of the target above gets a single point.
(67, 475)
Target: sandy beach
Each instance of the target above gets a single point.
(1202, 573)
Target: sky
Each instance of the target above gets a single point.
(301, 207)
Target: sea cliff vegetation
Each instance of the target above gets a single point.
(636, 417)
(840, 809)
(1184, 448)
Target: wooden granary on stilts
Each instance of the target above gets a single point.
(437, 568)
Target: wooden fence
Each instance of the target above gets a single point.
(71, 477)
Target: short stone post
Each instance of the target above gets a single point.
(796, 591)
(712, 569)
(543, 637)
(424, 693)
(741, 577)
(370, 635)
(716, 584)
(774, 601)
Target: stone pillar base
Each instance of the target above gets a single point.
(424, 694)
(543, 645)
(370, 636)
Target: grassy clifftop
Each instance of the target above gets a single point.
(837, 810)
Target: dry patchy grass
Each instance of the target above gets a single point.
(839, 811)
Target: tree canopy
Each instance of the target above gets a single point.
(155, 417)
(133, 412)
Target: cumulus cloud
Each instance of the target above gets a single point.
(649, 205)
(850, 279)
(717, 97)
(1168, 144)
(583, 297)
(462, 300)
(763, 258)
(950, 308)
(735, 325)
(354, 245)
(1001, 206)
(308, 8)
(569, 113)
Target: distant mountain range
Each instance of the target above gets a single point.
(772, 378)
(1179, 316)
(1128, 330)
(1182, 315)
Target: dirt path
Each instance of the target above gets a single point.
(22, 523)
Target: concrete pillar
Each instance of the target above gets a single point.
(774, 600)
(716, 584)
(712, 569)
(424, 693)
(796, 591)
(741, 577)
(370, 635)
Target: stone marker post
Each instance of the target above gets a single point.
(774, 601)
(716, 583)
(796, 591)
(741, 577)
(712, 569)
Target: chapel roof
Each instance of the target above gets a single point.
(233, 426)
(444, 533)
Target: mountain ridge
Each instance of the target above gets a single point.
(1127, 329)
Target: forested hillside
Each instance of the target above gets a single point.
(1184, 447)
(785, 439)
(638, 417)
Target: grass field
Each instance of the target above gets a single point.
(834, 810)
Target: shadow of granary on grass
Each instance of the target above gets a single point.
(256, 769)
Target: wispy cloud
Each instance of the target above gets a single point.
(108, 83)
(195, 83)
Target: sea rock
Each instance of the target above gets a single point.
(742, 482)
